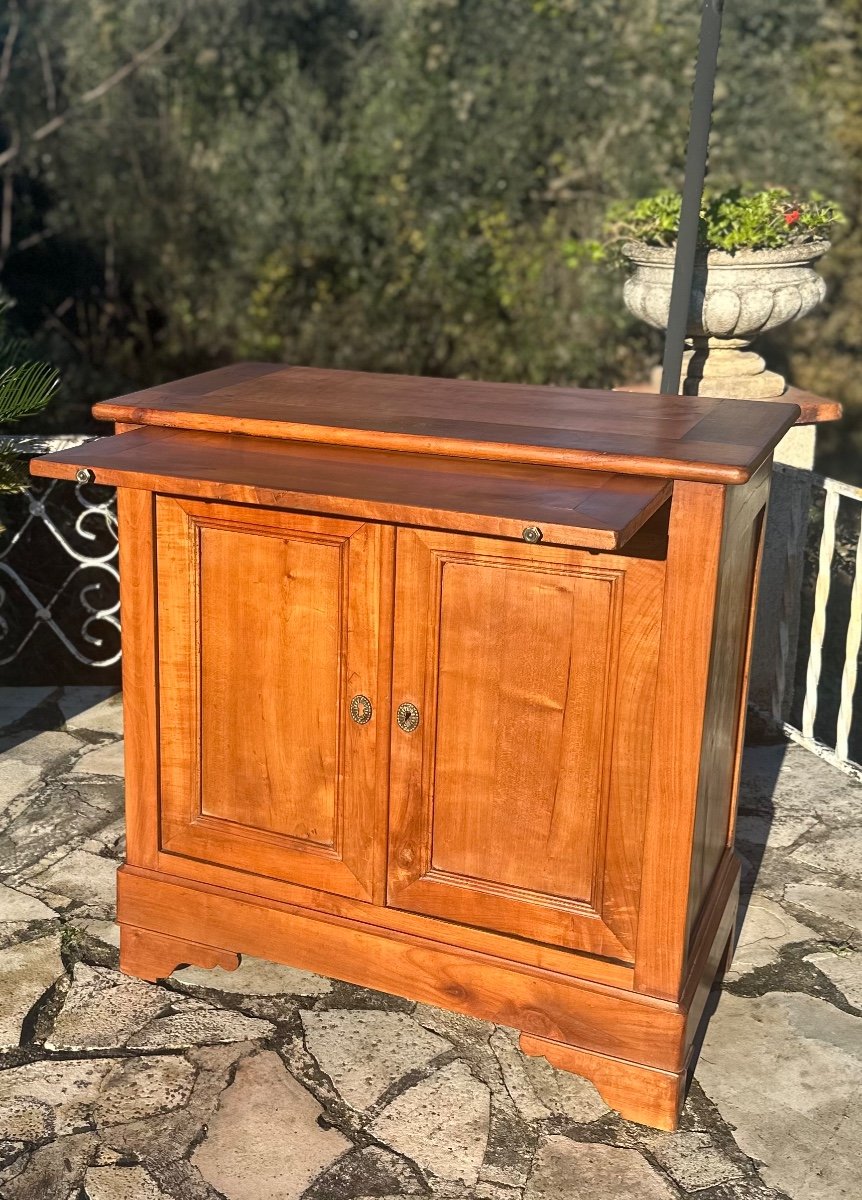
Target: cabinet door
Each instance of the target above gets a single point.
(518, 801)
(268, 625)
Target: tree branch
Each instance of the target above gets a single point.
(95, 93)
(34, 239)
(9, 43)
(47, 76)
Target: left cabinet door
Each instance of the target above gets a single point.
(268, 626)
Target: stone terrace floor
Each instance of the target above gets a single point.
(270, 1083)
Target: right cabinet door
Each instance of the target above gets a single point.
(523, 694)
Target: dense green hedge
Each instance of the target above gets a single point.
(394, 184)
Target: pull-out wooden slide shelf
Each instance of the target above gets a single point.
(437, 687)
(595, 509)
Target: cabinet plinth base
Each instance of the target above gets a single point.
(152, 956)
(634, 1047)
(638, 1093)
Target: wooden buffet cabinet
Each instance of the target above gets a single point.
(438, 687)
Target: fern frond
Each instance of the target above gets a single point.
(26, 389)
(13, 468)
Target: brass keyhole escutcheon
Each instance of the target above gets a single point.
(361, 709)
(407, 716)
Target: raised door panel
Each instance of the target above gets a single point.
(269, 746)
(517, 803)
(268, 624)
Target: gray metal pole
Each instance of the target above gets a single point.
(695, 174)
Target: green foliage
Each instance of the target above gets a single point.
(25, 389)
(823, 350)
(402, 185)
(731, 220)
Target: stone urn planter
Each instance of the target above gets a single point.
(735, 298)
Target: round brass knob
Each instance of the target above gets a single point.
(532, 534)
(85, 475)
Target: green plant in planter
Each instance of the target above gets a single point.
(759, 273)
(25, 389)
(732, 220)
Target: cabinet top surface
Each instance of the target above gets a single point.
(682, 437)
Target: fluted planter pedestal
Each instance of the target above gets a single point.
(735, 298)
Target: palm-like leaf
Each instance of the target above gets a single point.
(13, 469)
(26, 389)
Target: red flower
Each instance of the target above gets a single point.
(792, 217)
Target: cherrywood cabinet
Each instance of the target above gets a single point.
(438, 687)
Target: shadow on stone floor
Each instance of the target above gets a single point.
(24, 710)
(757, 792)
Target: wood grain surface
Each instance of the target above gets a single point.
(561, 1008)
(638, 1093)
(586, 508)
(137, 557)
(517, 803)
(814, 409)
(267, 626)
(680, 437)
(148, 955)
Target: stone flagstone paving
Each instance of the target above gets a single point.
(273, 1084)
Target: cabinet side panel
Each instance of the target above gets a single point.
(724, 717)
(694, 551)
(179, 669)
(136, 518)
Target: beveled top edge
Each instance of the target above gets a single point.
(694, 438)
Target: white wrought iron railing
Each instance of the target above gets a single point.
(834, 631)
(58, 572)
